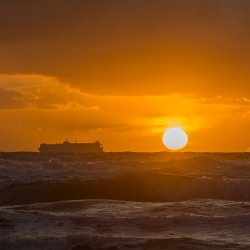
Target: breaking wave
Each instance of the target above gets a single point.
(30, 180)
(144, 187)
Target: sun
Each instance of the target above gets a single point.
(175, 138)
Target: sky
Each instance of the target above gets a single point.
(124, 71)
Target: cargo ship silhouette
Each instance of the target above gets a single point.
(68, 147)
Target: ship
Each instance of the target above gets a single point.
(68, 147)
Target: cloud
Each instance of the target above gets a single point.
(21, 91)
(40, 92)
(11, 99)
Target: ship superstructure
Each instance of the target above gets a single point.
(68, 147)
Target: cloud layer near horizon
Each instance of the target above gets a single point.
(43, 108)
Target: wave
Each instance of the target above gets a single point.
(106, 225)
(32, 178)
(143, 187)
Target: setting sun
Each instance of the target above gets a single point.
(175, 138)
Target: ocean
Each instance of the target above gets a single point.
(111, 201)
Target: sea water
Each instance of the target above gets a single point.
(110, 202)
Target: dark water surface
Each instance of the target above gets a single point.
(125, 201)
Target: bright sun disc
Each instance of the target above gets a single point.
(175, 138)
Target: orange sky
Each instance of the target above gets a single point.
(124, 71)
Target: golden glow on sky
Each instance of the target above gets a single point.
(38, 108)
(175, 138)
(123, 71)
